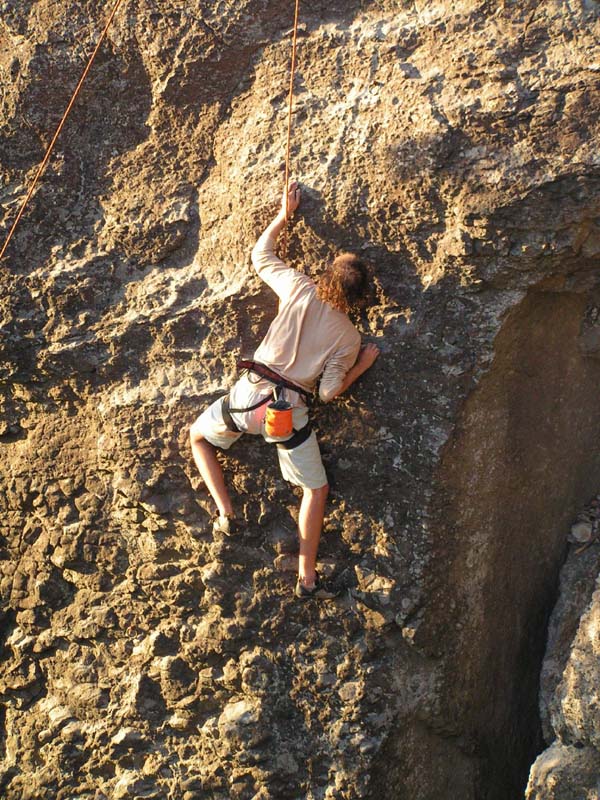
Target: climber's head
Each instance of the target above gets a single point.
(345, 283)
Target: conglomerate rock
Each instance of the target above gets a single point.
(565, 772)
(454, 145)
(570, 768)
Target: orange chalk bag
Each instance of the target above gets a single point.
(278, 419)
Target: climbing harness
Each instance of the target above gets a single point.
(297, 438)
(279, 421)
(46, 158)
(273, 377)
(289, 131)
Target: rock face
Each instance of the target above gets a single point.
(570, 768)
(455, 147)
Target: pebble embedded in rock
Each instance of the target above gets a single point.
(582, 532)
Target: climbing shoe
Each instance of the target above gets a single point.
(227, 526)
(322, 590)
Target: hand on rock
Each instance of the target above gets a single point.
(368, 355)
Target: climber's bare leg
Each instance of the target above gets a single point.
(205, 456)
(310, 524)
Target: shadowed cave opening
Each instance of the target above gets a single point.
(520, 463)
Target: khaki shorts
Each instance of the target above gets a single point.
(301, 465)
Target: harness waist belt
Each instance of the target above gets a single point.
(274, 377)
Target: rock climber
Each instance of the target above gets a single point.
(311, 337)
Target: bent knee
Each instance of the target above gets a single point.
(321, 492)
(195, 434)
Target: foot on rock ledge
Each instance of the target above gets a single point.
(227, 526)
(322, 590)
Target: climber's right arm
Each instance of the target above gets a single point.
(273, 271)
(366, 358)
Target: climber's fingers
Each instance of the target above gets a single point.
(291, 199)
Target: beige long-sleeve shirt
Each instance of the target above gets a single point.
(308, 338)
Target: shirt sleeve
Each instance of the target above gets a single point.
(336, 369)
(273, 271)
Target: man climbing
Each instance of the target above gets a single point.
(310, 337)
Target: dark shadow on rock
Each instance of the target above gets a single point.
(109, 118)
(515, 470)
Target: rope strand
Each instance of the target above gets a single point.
(44, 163)
(289, 131)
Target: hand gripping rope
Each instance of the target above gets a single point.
(44, 163)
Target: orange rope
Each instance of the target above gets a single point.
(44, 163)
(289, 132)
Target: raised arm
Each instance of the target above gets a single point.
(264, 249)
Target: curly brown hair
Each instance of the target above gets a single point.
(345, 283)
